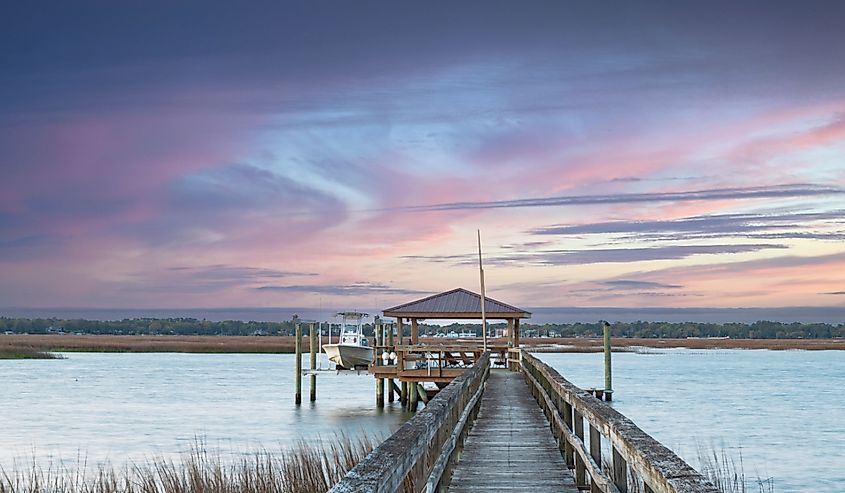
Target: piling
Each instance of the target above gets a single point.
(379, 333)
(390, 348)
(422, 393)
(298, 344)
(608, 385)
(312, 339)
(403, 393)
(412, 398)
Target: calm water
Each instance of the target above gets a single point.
(124, 407)
(782, 411)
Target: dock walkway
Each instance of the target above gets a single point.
(510, 446)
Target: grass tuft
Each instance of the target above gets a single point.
(307, 468)
(26, 352)
(727, 473)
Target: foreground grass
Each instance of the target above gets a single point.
(727, 473)
(25, 352)
(308, 468)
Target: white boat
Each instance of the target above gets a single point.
(352, 350)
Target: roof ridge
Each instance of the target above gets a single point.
(487, 299)
(422, 299)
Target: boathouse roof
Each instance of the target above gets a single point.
(457, 303)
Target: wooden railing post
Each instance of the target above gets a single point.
(620, 471)
(569, 451)
(595, 453)
(580, 468)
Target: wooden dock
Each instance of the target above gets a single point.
(510, 446)
(523, 428)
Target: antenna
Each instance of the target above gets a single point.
(483, 297)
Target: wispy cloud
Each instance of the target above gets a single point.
(223, 272)
(354, 289)
(601, 255)
(205, 278)
(797, 190)
(634, 284)
(808, 225)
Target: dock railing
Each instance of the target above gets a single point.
(418, 456)
(635, 455)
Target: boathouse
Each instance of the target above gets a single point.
(458, 303)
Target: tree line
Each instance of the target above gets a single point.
(192, 326)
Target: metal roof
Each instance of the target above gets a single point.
(457, 303)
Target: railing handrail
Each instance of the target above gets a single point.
(409, 450)
(659, 467)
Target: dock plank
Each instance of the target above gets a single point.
(510, 446)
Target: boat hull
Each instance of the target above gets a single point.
(349, 356)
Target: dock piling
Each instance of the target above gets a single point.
(390, 384)
(423, 395)
(412, 398)
(608, 384)
(298, 351)
(312, 343)
(379, 334)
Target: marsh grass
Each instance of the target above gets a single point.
(26, 352)
(724, 471)
(727, 472)
(307, 468)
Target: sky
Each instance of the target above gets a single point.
(343, 154)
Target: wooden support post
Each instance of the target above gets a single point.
(516, 332)
(298, 351)
(608, 378)
(403, 394)
(379, 333)
(595, 453)
(580, 467)
(415, 336)
(400, 330)
(620, 471)
(312, 346)
(422, 393)
(412, 398)
(390, 348)
(569, 451)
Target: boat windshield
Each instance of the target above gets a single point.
(352, 331)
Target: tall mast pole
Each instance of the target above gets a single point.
(483, 297)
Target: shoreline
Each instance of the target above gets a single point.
(285, 344)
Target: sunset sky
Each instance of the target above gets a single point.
(246, 154)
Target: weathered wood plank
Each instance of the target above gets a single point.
(510, 446)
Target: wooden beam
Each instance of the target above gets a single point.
(400, 330)
(415, 338)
